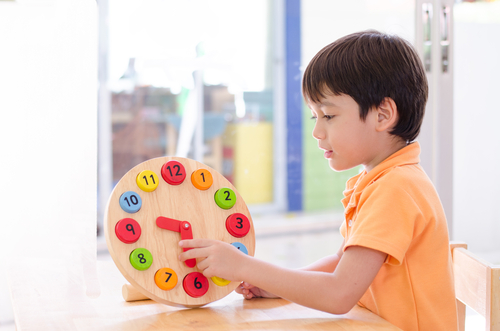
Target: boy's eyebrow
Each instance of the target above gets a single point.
(327, 103)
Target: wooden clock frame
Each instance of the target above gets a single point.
(183, 202)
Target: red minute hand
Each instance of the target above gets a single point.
(183, 227)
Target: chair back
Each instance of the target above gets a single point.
(477, 285)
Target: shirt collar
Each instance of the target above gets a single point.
(409, 154)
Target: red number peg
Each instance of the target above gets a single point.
(128, 230)
(173, 172)
(237, 225)
(195, 284)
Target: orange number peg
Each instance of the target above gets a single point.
(166, 279)
(202, 179)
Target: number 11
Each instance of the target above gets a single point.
(152, 178)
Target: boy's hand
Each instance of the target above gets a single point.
(218, 258)
(249, 291)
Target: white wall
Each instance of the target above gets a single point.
(325, 21)
(48, 135)
(476, 124)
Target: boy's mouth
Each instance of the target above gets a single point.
(328, 154)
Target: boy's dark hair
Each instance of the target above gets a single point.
(369, 66)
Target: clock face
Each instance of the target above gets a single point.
(158, 203)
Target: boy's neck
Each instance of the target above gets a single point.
(392, 146)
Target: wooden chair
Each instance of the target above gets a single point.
(477, 285)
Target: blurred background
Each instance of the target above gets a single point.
(91, 89)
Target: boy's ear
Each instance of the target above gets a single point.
(387, 114)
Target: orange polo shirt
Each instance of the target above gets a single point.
(395, 209)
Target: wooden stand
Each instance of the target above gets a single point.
(130, 294)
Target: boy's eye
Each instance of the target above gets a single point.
(313, 118)
(328, 117)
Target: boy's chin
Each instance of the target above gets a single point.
(339, 167)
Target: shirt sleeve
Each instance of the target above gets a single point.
(385, 220)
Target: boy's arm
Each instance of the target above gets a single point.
(328, 263)
(335, 292)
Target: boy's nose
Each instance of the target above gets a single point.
(317, 133)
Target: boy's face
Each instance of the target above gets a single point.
(347, 140)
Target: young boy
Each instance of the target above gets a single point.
(367, 93)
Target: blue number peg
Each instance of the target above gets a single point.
(241, 247)
(130, 202)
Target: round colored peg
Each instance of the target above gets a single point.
(195, 284)
(220, 281)
(241, 247)
(147, 181)
(141, 259)
(128, 230)
(173, 172)
(130, 202)
(225, 198)
(166, 279)
(237, 225)
(202, 179)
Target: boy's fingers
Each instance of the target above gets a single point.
(192, 254)
(192, 243)
(246, 293)
(202, 265)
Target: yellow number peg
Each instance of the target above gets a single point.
(147, 181)
(220, 281)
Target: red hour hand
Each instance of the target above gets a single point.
(183, 227)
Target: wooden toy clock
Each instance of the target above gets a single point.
(158, 203)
